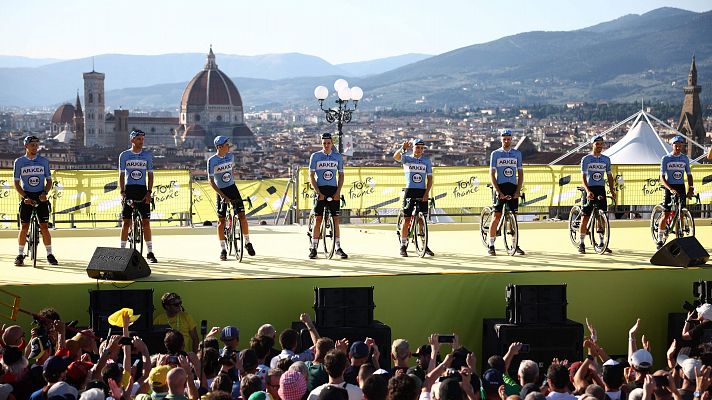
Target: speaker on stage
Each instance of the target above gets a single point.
(117, 264)
(103, 303)
(681, 252)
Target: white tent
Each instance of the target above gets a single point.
(641, 145)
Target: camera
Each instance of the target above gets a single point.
(446, 338)
(203, 327)
(524, 349)
(173, 360)
(691, 307)
(228, 356)
(661, 381)
(451, 373)
(126, 341)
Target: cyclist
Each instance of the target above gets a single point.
(507, 176)
(136, 183)
(594, 168)
(222, 180)
(33, 181)
(673, 167)
(418, 182)
(326, 174)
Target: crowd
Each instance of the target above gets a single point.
(53, 364)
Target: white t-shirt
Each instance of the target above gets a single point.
(561, 396)
(355, 392)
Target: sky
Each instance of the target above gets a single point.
(337, 31)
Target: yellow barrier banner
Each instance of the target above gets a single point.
(265, 197)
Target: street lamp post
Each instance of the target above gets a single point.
(342, 113)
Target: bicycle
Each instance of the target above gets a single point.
(233, 233)
(135, 238)
(418, 231)
(327, 231)
(33, 234)
(597, 224)
(682, 223)
(507, 224)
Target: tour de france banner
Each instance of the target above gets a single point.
(87, 198)
(467, 187)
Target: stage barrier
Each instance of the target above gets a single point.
(466, 187)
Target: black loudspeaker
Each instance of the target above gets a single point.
(681, 252)
(117, 264)
(536, 304)
(343, 307)
(103, 303)
(545, 342)
(381, 334)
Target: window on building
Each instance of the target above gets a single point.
(91, 97)
(197, 117)
(153, 129)
(219, 118)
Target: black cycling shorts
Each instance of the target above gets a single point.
(233, 194)
(667, 197)
(334, 205)
(509, 189)
(410, 203)
(42, 208)
(136, 193)
(601, 204)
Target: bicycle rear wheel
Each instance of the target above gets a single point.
(575, 217)
(485, 221)
(227, 232)
(688, 224)
(328, 235)
(510, 232)
(420, 230)
(600, 232)
(237, 238)
(655, 216)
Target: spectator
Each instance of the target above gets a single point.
(54, 370)
(528, 372)
(317, 373)
(292, 386)
(92, 394)
(613, 379)
(449, 389)
(301, 367)
(222, 382)
(422, 360)
(375, 387)
(691, 368)
(174, 315)
(177, 379)
(272, 382)
(249, 362)
(230, 336)
(703, 316)
(262, 345)
(218, 395)
(358, 354)
(493, 384)
(77, 374)
(268, 330)
(249, 385)
(289, 340)
(158, 380)
(335, 363)
(557, 377)
(333, 393)
(403, 387)
(400, 353)
(364, 372)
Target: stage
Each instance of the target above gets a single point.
(452, 291)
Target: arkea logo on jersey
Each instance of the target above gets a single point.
(33, 180)
(506, 162)
(676, 165)
(136, 164)
(32, 170)
(326, 164)
(219, 169)
(328, 175)
(416, 168)
(597, 167)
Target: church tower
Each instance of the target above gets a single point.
(94, 119)
(78, 122)
(691, 122)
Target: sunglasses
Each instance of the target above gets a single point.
(175, 304)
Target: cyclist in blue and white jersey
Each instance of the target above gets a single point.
(594, 169)
(326, 174)
(418, 181)
(507, 176)
(222, 180)
(673, 168)
(136, 183)
(33, 181)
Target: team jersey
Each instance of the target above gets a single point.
(595, 169)
(32, 172)
(673, 168)
(507, 164)
(135, 166)
(416, 170)
(326, 166)
(220, 170)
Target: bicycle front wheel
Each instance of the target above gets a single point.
(237, 238)
(655, 216)
(600, 233)
(35, 240)
(575, 217)
(688, 224)
(399, 226)
(310, 227)
(328, 235)
(485, 221)
(227, 232)
(510, 232)
(137, 229)
(420, 230)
